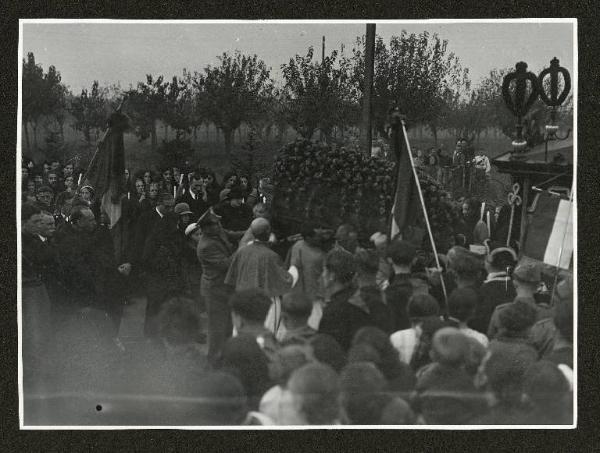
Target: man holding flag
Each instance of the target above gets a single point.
(409, 204)
(105, 175)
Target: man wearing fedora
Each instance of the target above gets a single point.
(526, 280)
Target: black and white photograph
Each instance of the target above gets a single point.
(293, 224)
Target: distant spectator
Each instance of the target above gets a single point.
(258, 211)
(515, 322)
(54, 182)
(498, 287)
(249, 310)
(446, 393)
(308, 255)
(236, 216)
(224, 401)
(346, 238)
(562, 349)
(243, 357)
(315, 395)
(467, 268)
(363, 393)
(548, 392)
(420, 307)
(422, 351)
(397, 412)
(341, 318)
(399, 375)
(296, 308)
(403, 284)
(502, 373)
(526, 279)
(367, 263)
(462, 304)
(45, 199)
(230, 180)
(196, 196)
(327, 350)
(288, 359)
(545, 334)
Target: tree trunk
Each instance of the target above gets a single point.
(34, 126)
(228, 136)
(207, 131)
(166, 133)
(154, 139)
(61, 130)
(27, 144)
(195, 134)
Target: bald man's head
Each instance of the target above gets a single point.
(261, 229)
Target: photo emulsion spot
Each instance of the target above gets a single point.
(281, 225)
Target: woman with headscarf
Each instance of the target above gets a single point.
(87, 195)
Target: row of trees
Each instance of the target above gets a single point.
(414, 71)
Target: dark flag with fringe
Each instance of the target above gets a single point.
(407, 207)
(107, 168)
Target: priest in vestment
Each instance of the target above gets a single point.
(257, 266)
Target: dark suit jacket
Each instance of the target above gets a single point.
(145, 225)
(234, 219)
(39, 260)
(90, 269)
(341, 319)
(198, 206)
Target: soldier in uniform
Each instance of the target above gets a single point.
(214, 252)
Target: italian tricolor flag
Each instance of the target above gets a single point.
(550, 232)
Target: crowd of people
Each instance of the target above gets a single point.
(245, 327)
(463, 170)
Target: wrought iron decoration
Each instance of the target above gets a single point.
(520, 104)
(554, 99)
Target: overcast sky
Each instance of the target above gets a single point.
(125, 52)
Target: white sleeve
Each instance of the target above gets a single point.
(293, 270)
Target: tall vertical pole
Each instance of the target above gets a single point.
(368, 88)
(321, 135)
(524, 220)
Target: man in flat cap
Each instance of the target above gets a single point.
(526, 279)
(214, 253)
(257, 266)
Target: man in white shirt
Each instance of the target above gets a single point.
(420, 307)
(196, 196)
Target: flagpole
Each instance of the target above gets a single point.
(418, 184)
